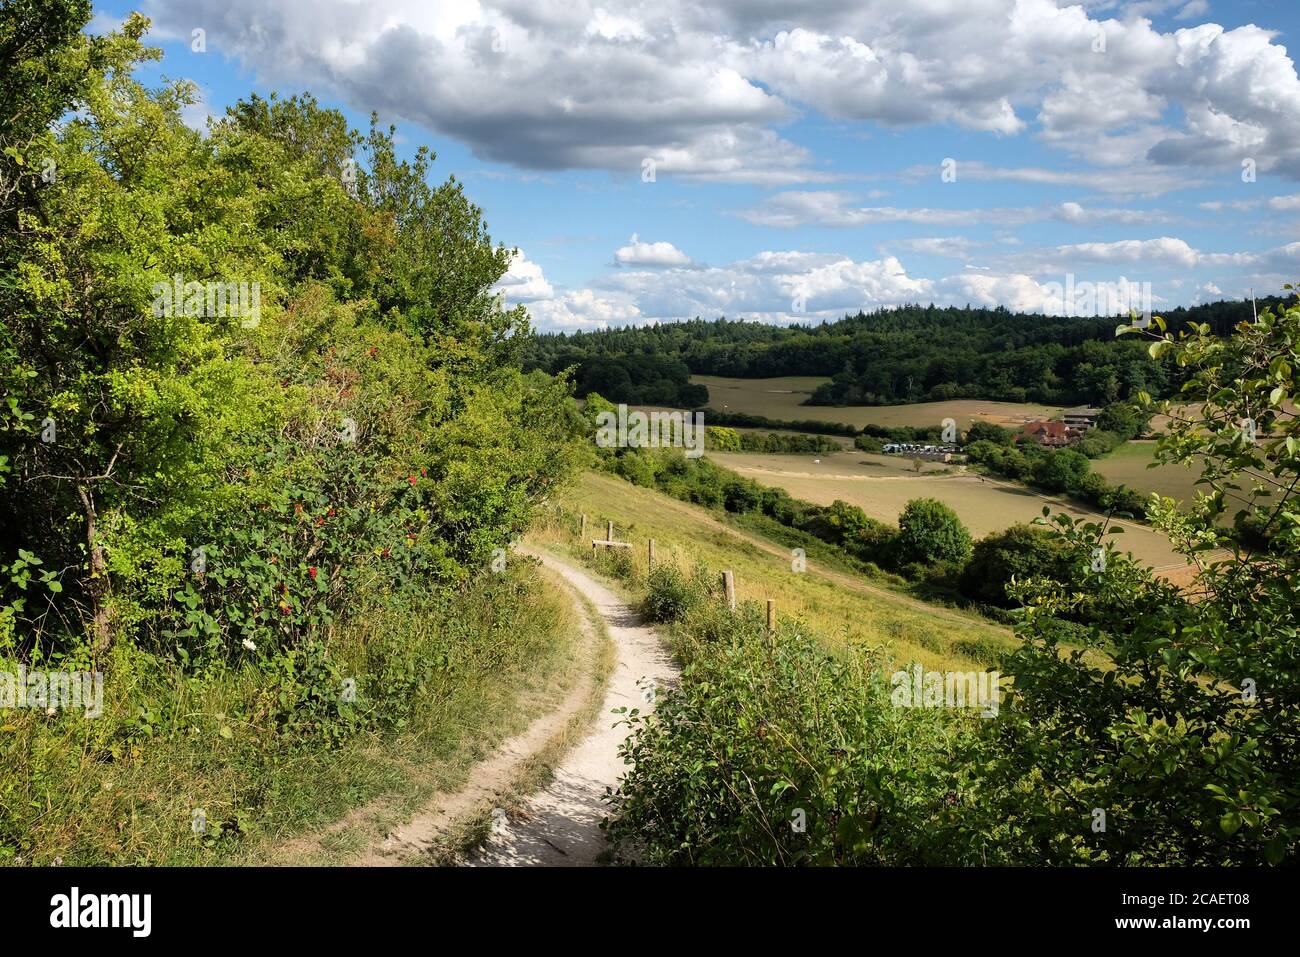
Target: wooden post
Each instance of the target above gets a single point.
(650, 555)
(583, 533)
(771, 616)
(609, 531)
(729, 588)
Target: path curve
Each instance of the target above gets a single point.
(560, 824)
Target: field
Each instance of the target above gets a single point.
(985, 504)
(780, 399)
(1128, 465)
(846, 607)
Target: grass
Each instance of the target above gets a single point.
(852, 611)
(780, 398)
(121, 790)
(1128, 465)
(850, 464)
(984, 504)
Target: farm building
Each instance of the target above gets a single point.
(1081, 419)
(1050, 433)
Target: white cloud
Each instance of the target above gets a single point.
(701, 88)
(954, 247)
(523, 281)
(638, 253)
(1166, 249)
(792, 208)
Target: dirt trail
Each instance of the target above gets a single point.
(560, 825)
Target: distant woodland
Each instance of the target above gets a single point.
(910, 354)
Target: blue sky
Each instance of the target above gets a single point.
(799, 149)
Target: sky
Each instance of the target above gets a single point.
(783, 161)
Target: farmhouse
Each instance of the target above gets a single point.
(1050, 433)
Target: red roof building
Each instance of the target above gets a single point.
(1049, 433)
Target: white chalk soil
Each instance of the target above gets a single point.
(560, 825)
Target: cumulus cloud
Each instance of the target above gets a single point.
(772, 286)
(1166, 249)
(638, 253)
(702, 89)
(523, 281)
(783, 286)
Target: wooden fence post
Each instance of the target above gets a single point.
(650, 555)
(583, 533)
(609, 531)
(771, 616)
(729, 588)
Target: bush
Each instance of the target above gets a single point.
(1021, 551)
(671, 595)
(929, 531)
(776, 752)
(1098, 442)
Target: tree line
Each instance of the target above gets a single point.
(912, 353)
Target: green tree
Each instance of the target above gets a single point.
(1060, 470)
(989, 432)
(1020, 552)
(929, 531)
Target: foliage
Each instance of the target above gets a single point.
(911, 353)
(1016, 553)
(981, 431)
(773, 751)
(929, 531)
(721, 439)
(375, 392)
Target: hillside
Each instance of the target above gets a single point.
(909, 354)
(852, 611)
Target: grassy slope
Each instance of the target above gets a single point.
(835, 602)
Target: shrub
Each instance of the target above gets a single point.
(776, 752)
(670, 595)
(1021, 551)
(929, 531)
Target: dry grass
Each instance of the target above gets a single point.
(847, 608)
(780, 398)
(984, 504)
